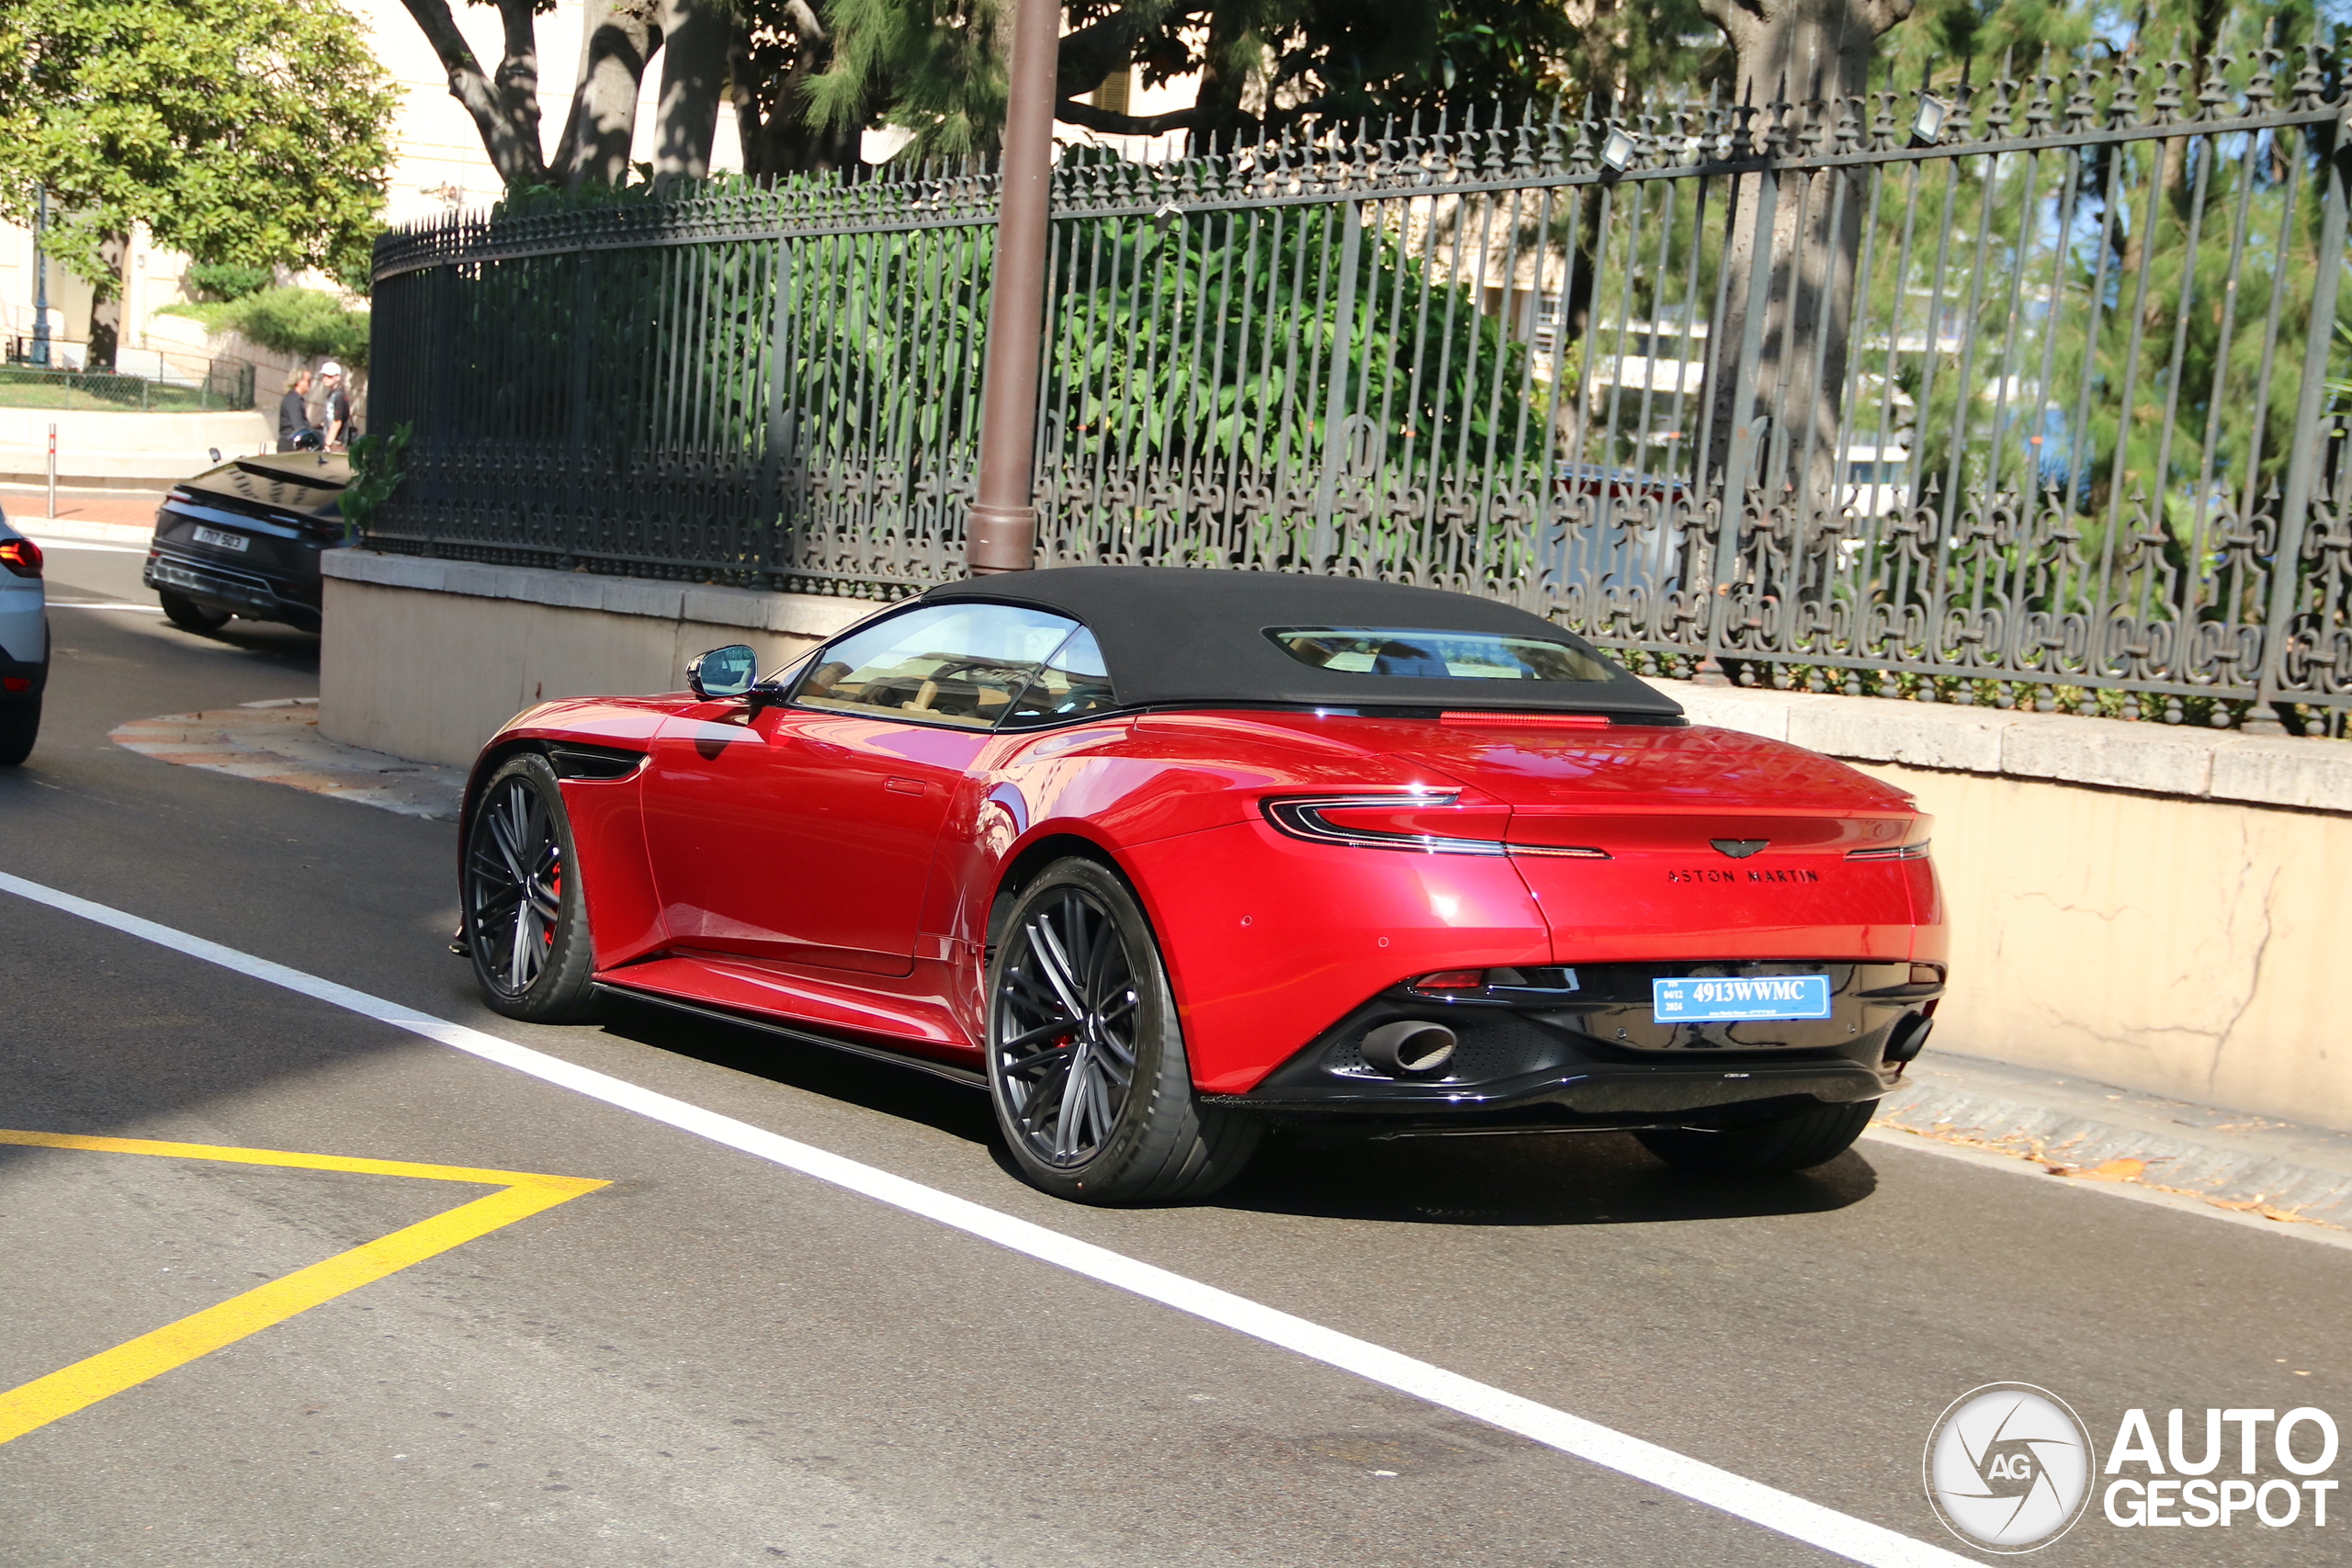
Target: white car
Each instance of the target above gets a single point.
(24, 644)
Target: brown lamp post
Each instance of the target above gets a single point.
(1001, 533)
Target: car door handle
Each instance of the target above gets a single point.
(906, 786)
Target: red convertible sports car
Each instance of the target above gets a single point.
(1165, 857)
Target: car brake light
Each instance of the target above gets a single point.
(1452, 980)
(1916, 834)
(1530, 720)
(21, 557)
(1431, 823)
(15, 683)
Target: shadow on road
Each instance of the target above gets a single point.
(1553, 1179)
(902, 1092)
(296, 649)
(1582, 1178)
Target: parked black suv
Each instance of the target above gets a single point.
(244, 539)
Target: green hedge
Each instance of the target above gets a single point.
(302, 321)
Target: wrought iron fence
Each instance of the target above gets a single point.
(2030, 393)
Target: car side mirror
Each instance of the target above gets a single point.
(728, 671)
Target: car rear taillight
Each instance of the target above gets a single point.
(15, 683)
(1434, 824)
(1452, 980)
(1914, 846)
(21, 557)
(1431, 823)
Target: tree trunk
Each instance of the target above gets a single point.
(780, 141)
(617, 40)
(518, 87)
(693, 67)
(1813, 54)
(506, 113)
(105, 301)
(1233, 49)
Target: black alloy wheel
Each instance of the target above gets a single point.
(527, 924)
(188, 615)
(1086, 1060)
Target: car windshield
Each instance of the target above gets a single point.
(960, 664)
(1436, 655)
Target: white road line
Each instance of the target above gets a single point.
(1854, 1539)
(94, 604)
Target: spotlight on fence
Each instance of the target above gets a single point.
(1617, 149)
(1928, 125)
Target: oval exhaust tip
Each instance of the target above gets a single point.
(1909, 1037)
(1408, 1048)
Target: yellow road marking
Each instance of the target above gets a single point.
(87, 1381)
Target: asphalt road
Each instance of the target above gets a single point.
(716, 1361)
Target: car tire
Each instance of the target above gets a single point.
(1075, 950)
(188, 615)
(1773, 1148)
(525, 918)
(19, 723)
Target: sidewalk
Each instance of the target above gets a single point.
(119, 516)
(2093, 1131)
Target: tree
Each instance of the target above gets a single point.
(1816, 53)
(250, 131)
(935, 66)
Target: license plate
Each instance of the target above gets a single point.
(224, 541)
(1739, 999)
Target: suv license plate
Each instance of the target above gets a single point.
(1734, 998)
(224, 541)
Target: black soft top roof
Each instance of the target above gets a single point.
(1173, 634)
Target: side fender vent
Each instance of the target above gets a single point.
(603, 764)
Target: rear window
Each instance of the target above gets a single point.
(1442, 656)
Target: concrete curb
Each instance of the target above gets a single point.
(2085, 1131)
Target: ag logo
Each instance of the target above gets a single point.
(2008, 1467)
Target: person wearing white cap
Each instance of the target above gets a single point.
(338, 407)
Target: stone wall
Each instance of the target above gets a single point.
(426, 659)
(150, 451)
(2151, 907)
(2159, 907)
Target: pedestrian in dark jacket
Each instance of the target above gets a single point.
(338, 399)
(294, 412)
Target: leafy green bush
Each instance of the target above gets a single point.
(226, 281)
(302, 321)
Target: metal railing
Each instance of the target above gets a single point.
(165, 382)
(2012, 395)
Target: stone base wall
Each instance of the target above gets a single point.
(129, 448)
(428, 658)
(2155, 907)
(2189, 948)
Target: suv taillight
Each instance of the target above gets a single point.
(21, 557)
